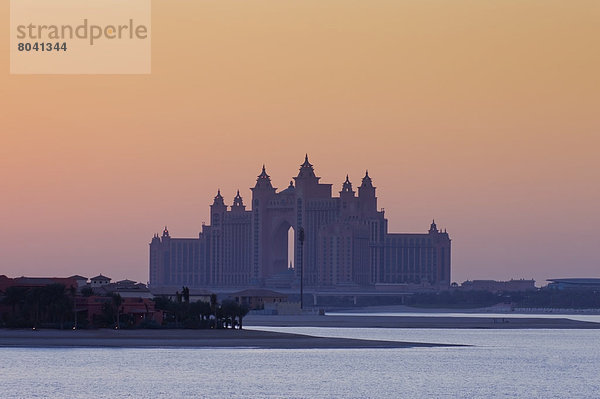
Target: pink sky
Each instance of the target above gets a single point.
(482, 115)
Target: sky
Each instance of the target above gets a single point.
(481, 114)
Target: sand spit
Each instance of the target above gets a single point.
(350, 321)
(186, 339)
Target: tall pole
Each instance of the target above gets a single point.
(301, 238)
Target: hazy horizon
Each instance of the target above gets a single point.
(480, 115)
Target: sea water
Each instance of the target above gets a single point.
(499, 364)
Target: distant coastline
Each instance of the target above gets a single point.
(378, 321)
(505, 309)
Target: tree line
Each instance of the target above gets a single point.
(181, 313)
(50, 306)
(54, 306)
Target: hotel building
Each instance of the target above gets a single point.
(346, 243)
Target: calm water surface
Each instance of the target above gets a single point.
(595, 318)
(501, 364)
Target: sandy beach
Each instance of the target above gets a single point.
(185, 339)
(274, 340)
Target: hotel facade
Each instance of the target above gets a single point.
(342, 242)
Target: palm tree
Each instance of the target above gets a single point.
(242, 311)
(72, 293)
(213, 303)
(15, 296)
(185, 291)
(205, 309)
(116, 302)
(55, 303)
(34, 301)
(229, 309)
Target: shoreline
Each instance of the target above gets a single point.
(489, 309)
(350, 321)
(250, 339)
(258, 339)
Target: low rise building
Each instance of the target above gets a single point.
(132, 310)
(81, 281)
(99, 281)
(125, 288)
(580, 284)
(32, 282)
(499, 286)
(258, 298)
(196, 294)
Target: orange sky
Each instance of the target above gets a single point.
(482, 114)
